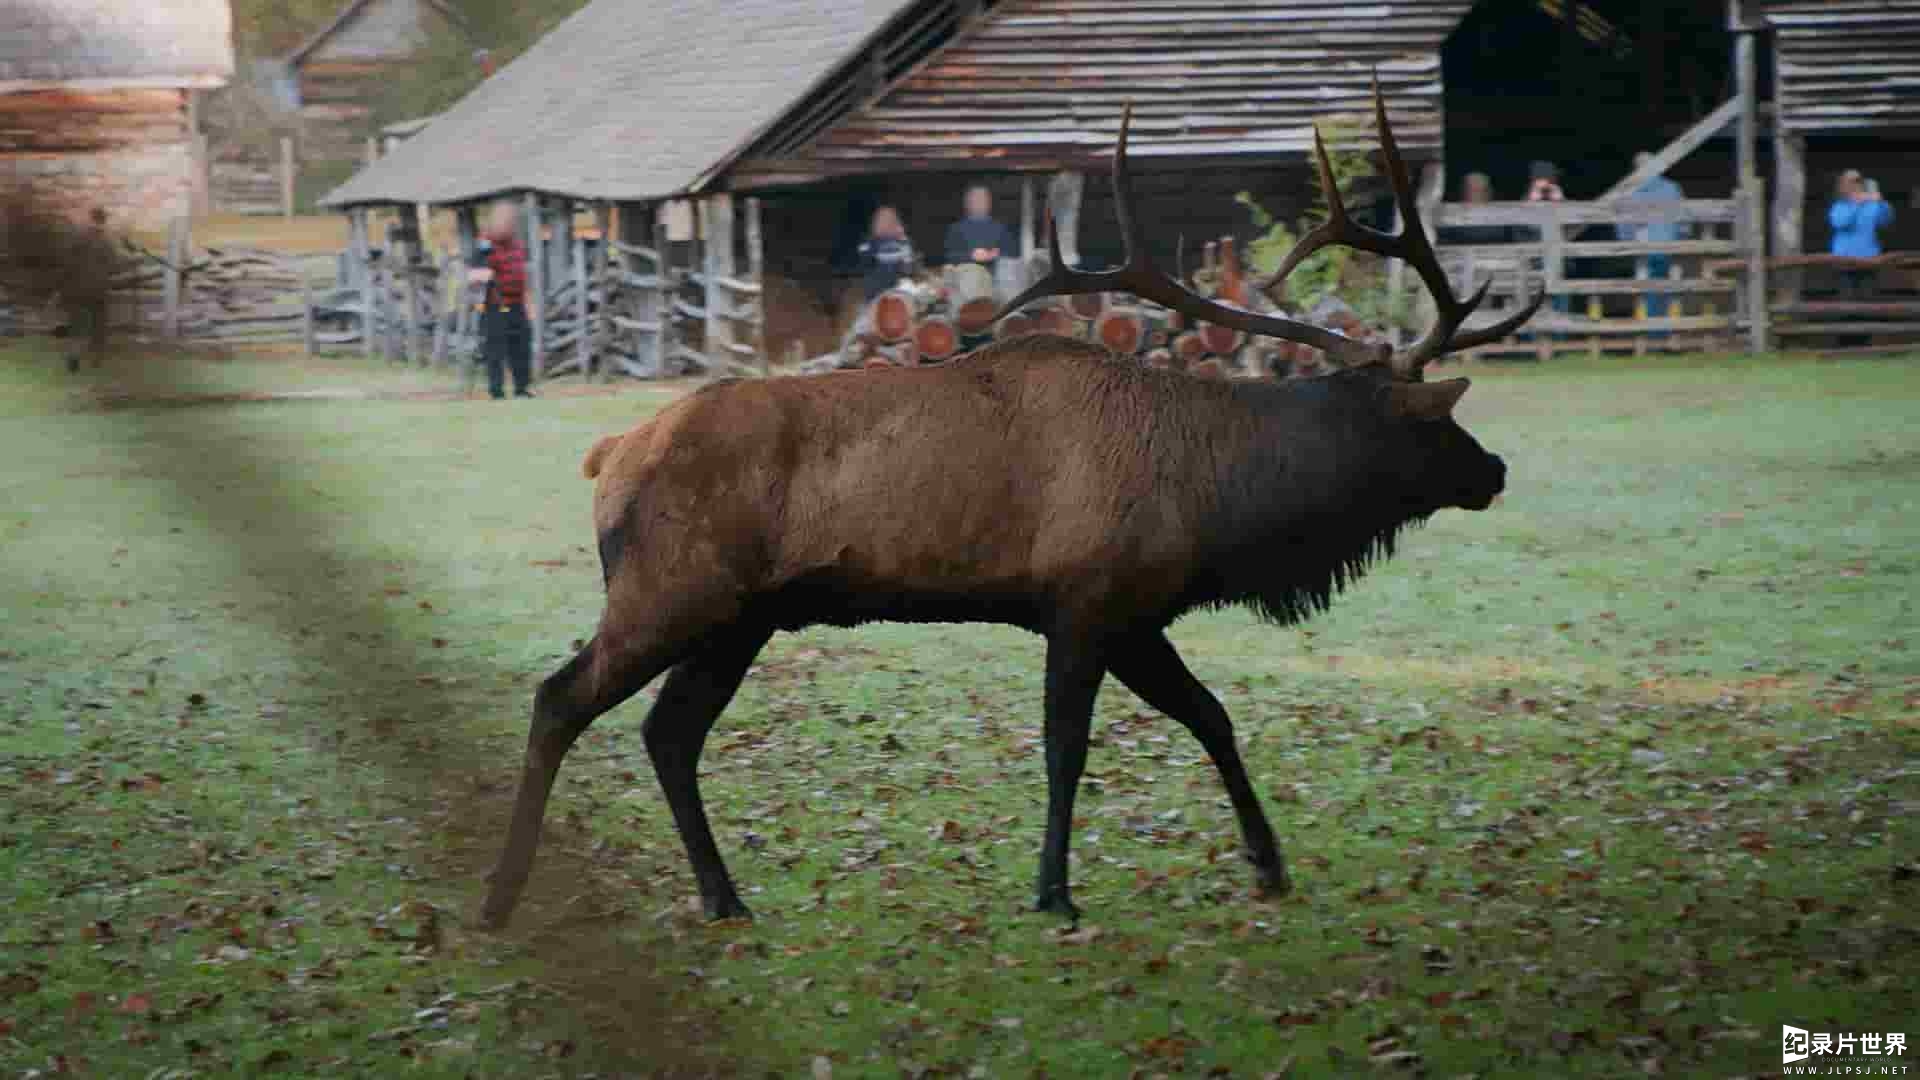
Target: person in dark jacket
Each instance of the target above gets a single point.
(977, 237)
(505, 334)
(886, 255)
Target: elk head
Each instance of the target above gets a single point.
(1413, 416)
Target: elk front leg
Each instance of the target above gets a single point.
(1151, 668)
(1074, 672)
(676, 731)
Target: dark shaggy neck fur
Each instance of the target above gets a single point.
(1303, 498)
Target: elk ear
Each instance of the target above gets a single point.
(1425, 401)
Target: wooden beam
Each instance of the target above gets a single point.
(537, 263)
(603, 219)
(307, 329)
(1063, 203)
(1746, 78)
(410, 265)
(466, 227)
(360, 275)
(1028, 229)
(1789, 203)
(756, 273)
(658, 305)
(1669, 155)
(1759, 319)
(582, 309)
(716, 240)
(287, 176)
(179, 247)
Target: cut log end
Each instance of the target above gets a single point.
(893, 313)
(975, 316)
(936, 338)
(1219, 340)
(1120, 329)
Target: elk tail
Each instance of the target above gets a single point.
(597, 456)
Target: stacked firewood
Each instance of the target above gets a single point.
(229, 294)
(926, 322)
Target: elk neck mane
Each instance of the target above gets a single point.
(1277, 480)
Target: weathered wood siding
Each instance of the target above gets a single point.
(343, 75)
(1846, 65)
(1039, 84)
(126, 150)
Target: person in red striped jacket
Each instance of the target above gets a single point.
(506, 337)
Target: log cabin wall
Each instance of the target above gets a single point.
(341, 71)
(1847, 82)
(128, 151)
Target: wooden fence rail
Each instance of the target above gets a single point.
(1606, 287)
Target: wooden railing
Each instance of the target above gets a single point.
(1605, 295)
(1840, 303)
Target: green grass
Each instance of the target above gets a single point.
(1612, 780)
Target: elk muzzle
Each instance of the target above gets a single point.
(1482, 488)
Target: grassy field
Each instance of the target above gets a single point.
(1610, 781)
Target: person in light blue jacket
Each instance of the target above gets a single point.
(1857, 215)
(1657, 265)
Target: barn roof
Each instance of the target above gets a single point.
(624, 101)
(345, 16)
(1845, 64)
(114, 44)
(1039, 84)
(641, 101)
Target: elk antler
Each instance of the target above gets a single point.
(1139, 276)
(1410, 245)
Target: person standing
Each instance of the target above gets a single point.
(1655, 265)
(89, 290)
(977, 237)
(886, 255)
(506, 335)
(1857, 215)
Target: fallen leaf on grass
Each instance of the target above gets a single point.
(136, 1004)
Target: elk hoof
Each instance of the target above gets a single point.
(726, 907)
(503, 895)
(1056, 901)
(494, 916)
(1273, 880)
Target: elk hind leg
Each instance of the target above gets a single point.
(1153, 670)
(676, 731)
(598, 678)
(1074, 672)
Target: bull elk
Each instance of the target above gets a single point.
(1040, 482)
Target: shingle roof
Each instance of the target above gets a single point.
(346, 15)
(625, 100)
(112, 44)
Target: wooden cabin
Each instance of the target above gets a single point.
(823, 112)
(95, 102)
(333, 78)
